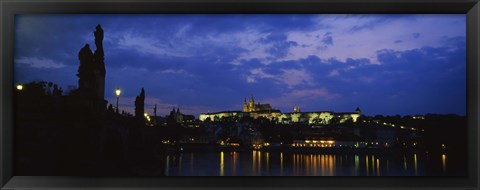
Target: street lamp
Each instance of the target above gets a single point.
(118, 92)
(19, 87)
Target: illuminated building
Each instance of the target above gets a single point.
(256, 110)
(318, 117)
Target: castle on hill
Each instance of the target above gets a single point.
(256, 110)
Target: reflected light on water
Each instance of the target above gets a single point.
(167, 165)
(334, 162)
(378, 167)
(373, 165)
(312, 164)
(444, 163)
(323, 165)
(357, 164)
(415, 163)
(267, 157)
(259, 159)
(222, 163)
(234, 160)
(254, 161)
(366, 164)
(281, 163)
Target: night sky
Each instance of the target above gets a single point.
(384, 64)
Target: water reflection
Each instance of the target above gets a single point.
(357, 165)
(222, 163)
(167, 165)
(262, 163)
(366, 163)
(444, 163)
(415, 163)
(281, 163)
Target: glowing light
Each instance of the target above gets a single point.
(118, 92)
(19, 87)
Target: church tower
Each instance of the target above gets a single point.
(358, 111)
(251, 104)
(245, 106)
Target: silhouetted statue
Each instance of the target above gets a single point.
(85, 71)
(99, 64)
(91, 72)
(139, 105)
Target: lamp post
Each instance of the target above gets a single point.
(117, 92)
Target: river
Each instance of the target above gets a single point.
(262, 163)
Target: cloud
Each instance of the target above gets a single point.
(301, 97)
(37, 62)
(333, 73)
(258, 73)
(148, 45)
(327, 38)
(294, 77)
(372, 33)
(288, 77)
(416, 35)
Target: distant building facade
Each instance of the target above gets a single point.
(178, 117)
(256, 110)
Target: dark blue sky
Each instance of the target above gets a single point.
(385, 64)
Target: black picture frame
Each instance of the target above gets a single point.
(9, 8)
